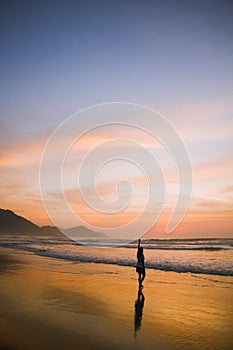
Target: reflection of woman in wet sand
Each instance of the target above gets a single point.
(140, 265)
(139, 303)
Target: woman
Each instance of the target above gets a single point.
(140, 265)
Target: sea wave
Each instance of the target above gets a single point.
(193, 266)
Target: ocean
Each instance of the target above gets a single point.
(194, 256)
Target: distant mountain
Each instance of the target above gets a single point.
(52, 231)
(81, 232)
(12, 224)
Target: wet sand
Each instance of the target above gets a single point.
(54, 304)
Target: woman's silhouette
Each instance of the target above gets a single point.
(140, 265)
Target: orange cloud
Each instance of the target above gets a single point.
(227, 189)
(219, 168)
(210, 211)
(201, 121)
(22, 153)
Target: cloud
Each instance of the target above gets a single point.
(227, 189)
(13, 189)
(202, 121)
(17, 154)
(211, 204)
(218, 168)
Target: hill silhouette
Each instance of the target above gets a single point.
(81, 232)
(13, 224)
(10, 223)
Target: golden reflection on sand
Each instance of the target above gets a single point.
(49, 303)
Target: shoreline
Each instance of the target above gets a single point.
(93, 306)
(168, 260)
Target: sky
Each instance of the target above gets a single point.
(175, 57)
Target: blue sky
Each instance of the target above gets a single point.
(57, 57)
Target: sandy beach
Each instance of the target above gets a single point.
(55, 304)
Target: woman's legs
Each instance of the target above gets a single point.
(139, 278)
(143, 276)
